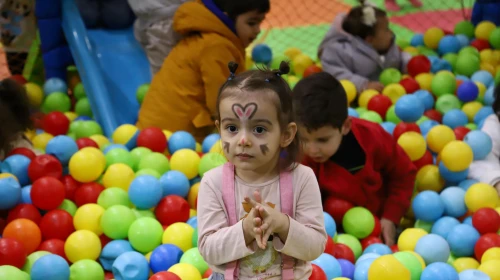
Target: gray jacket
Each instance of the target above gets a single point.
(348, 57)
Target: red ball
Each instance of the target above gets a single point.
(152, 138)
(419, 64)
(86, 142)
(337, 208)
(24, 211)
(329, 246)
(22, 151)
(88, 193)
(207, 273)
(425, 160)
(55, 246)
(379, 103)
(44, 166)
(341, 251)
(55, 123)
(460, 132)
(70, 185)
(317, 273)
(104, 240)
(313, 69)
(403, 127)
(20, 79)
(410, 85)
(395, 248)
(377, 229)
(486, 220)
(108, 276)
(56, 224)
(480, 44)
(47, 193)
(369, 241)
(164, 275)
(486, 242)
(434, 115)
(12, 252)
(172, 209)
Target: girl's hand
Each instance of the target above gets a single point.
(250, 225)
(375, 85)
(388, 231)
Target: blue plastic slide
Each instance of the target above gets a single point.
(111, 64)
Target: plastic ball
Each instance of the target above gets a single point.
(482, 114)
(467, 64)
(185, 271)
(86, 270)
(116, 221)
(181, 140)
(409, 238)
(388, 267)
(141, 92)
(460, 132)
(47, 193)
(428, 206)
(457, 156)
(484, 77)
(455, 118)
(118, 175)
(495, 38)
(23, 152)
(443, 226)
(88, 217)
(44, 166)
(490, 268)
(410, 262)
(193, 257)
(484, 29)
(350, 90)
(185, 161)
(453, 199)
(62, 147)
(413, 144)
(55, 123)
(371, 116)
(113, 250)
(439, 270)
(209, 142)
(131, 265)
(418, 64)
(491, 254)
(433, 248)
(317, 273)
(481, 195)
(480, 144)
(330, 225)
(358, 221)
(390, 76)
(164, 257)
(82, 244)
(152, 138)
(486, 220)
(300, 63)
(432, 37)
(438, 137)
(426, 98)
(87, 165)
(35, 94)
(50, 267)
(329, 265)
(410, 85)
(54, 85)
(462, 239)
(365, 96)
(394, 92)
(351, 242)
(145, 234)
(12, 252)
(57, 224)
(465, 28)
(466, 263)
(179, 234)
(17, 165)
(26, 232)
(449, 44)
(145, 192)
(56, 101)
(155, 161)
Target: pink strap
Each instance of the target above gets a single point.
(286, 199)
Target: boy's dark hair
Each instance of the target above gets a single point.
(234, 8)
(15, 112)
(263, 82)
(353, 23)
(496, 103)
(320, 100)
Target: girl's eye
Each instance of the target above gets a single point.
(231, 128)
(260, 129)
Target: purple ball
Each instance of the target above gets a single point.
(347, 268)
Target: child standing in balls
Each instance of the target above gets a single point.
(183, 94)
(354, 160)
(260, 215)
(359, 46)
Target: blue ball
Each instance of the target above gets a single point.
(378, 248)
(482, 114)
(409, 108)
(54, 85)
(352, 112)
(463, 39)
(468, 221)
(62, 147)
(389, 127)
(165, 256)
(361, 269)
(433, 248)
(329, 264)
(145, 192)
(26, 195)
(18, 166)
(467, 91)
(193, 222)
(115, 146)
(462, 239)
(455, 118)
(10, 193)
(443, 226)
(209, 141)
(262, 53)
(417, 40)
(439, 271)
(181, 140)
(473, 274)
(440, 65)
(454, 203)
(449, 44)
(462, 78)
(113, 250)
(330, 225)
(52, 267)
(83, 118)
(483, 77)
(347, 268)
(175, 182)
(131, 266)
(428, 206)
(367, 256)
(453, 177)
(480, 143)
(465, 184)
(425, 126)
(425, 97)
(489, 96)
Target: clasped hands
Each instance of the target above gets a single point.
(262, 221)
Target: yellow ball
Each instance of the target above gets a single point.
(413, 143)
(124, 133)
(482, 89)
(471, 108)
(387, 267)
(185, 271)
(424, 80)
(35, 94)
(457, 156)
(350, 90)
(82, 245)
(300, 63)
(217, 147)
(30, 134)
(192, 213)
(341, 278)
(88, 217)
(148, 255)
(488, 67)
(118, 175)
(432, 37)
(193, 194)
(487, 56)
(409, 238)
(87, 165)
(100, 140)
(420, 259)
(411, 50)
(481, 195)
(394, 92)
(185, 161)
(167, 133)
(484, 29)
(180, 235)
(71, 116)
(7, 175)
(365, 97)
(462, 264)
(40, 141)
(491, 254)
(491, 268)
(429, 179)
(438, 136)
(291, 53)
(198, 148)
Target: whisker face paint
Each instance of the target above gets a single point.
(264, 149)
(226, 147)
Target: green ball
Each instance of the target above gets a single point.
(86, 270)
(471, 126)
(68, 206)
(56, 101)
(495, 38)
(451, 259)
(391, 116)
(210, 161)
(447, 102)
(74, 126)
(351, 242)
(402, 43)
(411, 263)
(156, 161)
(390, 76)
(497, 79)
(422, 119)
(371, 116)
(358, 222)
(194, 239)
(113, 196)
(79, 91)
(87, 129)
(469, 50)
(148, 171)
(193, 257)
(143, 213)
(466, 28)
(145, 234)
(141, 92)
(276, 61)
(119, 156)
(32, 258)
(137, 154)
(443, 83)
(361, 110)
(12, 272)
(426, 51)
(427, 226)
(82, 107)
(467, 64)
(451, 58)
(72, 135)
(116, 221)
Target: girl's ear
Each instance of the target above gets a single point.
(288, 135)
(217, 124)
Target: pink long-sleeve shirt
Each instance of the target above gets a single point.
(220, 244)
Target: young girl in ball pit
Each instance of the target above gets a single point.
(260, 215)
(183, 94)
(359, 46)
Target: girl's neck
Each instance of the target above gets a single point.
(259, 175)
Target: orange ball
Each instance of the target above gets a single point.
(26, 232)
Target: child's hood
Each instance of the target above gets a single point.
(147, 8)
(336, 33)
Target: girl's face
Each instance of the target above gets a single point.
(382, 40)
(248, 26)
